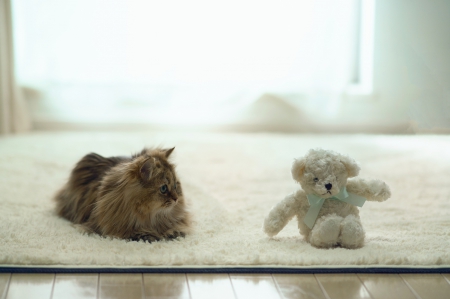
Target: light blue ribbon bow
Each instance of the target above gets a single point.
(316, 202)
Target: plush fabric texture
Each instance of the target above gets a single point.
(231, 182)
(326, 222)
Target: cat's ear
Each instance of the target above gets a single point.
(168, 152)
(146, 170)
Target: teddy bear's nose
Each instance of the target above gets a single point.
(328, 186)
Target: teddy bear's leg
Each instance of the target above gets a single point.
(325, 232)
(352, 233)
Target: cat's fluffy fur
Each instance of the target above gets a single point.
(134, 198)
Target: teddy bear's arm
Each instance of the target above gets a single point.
(281, 213)
(373, 190)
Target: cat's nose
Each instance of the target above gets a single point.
(328, 186)
(174, 197)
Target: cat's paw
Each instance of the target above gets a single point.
(145, 237)
(175, 235)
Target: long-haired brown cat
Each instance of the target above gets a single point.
(134, 198)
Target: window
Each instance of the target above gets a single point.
(178, 62)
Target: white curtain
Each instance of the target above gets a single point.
(181, 62)
(13, 111)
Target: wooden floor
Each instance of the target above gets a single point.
(214, 286)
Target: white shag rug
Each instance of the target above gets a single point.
(231, 182)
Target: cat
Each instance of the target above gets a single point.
(134, 198)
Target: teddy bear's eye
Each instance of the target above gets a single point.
(316, 180)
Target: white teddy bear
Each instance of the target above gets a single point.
(326, 207)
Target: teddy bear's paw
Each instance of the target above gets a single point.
(352, 233)
(272, 227)
(380, 190)
(325, 232)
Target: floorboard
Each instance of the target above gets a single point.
(36, 286)
(342, 286)
(299, 286)
(74, 286)
(431, 286)
(166, 286)
(209, 286)
(198, 286)
(254, 286)
(4, 282)
(447, 277)
(120, 286)
(386, 286)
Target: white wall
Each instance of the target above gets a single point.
(411, 68)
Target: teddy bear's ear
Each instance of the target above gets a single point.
(351, 165)
(298, 167)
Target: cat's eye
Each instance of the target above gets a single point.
(316, 180)
(163, 189)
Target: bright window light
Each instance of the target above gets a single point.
(182, 61)
(364, 70)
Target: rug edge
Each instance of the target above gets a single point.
(384, 269)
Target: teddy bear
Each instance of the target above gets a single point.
(327, 205)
